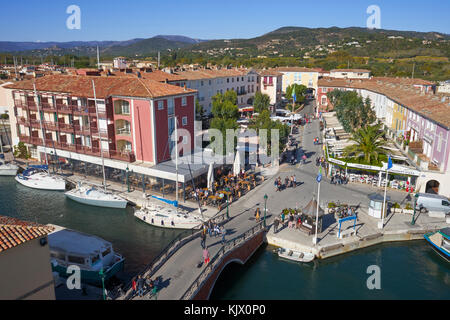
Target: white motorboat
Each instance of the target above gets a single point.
(37, 177)
(294, 255)
(164, 217)
(96, 197)
(90, 253)
(8, 169)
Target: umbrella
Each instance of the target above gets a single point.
(211, 176)
(237, 164)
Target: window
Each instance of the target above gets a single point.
(439, 145)
(201, 82)
(161, 105)
(95, 259)
(58, 255)
(170, 108)
(75, 259)
(185, 140)
(106, 252)
(184, 101)
(445, 203)
(184, 121)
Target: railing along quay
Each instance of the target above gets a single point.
(218, 258)
(166, 253)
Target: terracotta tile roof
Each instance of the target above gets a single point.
(296, 69)
(81, 86)
(211, 74)
(155, 75)
(14, 232)
(270, 72)
(403, 92)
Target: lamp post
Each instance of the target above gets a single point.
(228, 196)
(265, 209)
(413, 221)
(128, 180)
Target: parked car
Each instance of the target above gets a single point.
(432, 202)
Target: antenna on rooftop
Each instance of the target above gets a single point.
(98, 58)
(159, 58)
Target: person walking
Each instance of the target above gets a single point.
(134, 286)
(206, 255)
(257, 214)
(203, 239)
(140, 286)
(294, 181)
(282, 218)
(275, 225)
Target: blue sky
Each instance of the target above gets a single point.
(45, 20)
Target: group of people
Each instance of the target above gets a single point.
(212, 228)
(291, 220)
(289, 182)
(316, 141)
(320, 162)
(339, 179)
(142, 285)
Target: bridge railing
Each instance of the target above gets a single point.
(218, 258)
(166, 253)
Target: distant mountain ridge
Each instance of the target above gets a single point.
(285, 41)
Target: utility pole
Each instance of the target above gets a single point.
(159, 58)
(414, 67)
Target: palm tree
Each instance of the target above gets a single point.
(369, 144)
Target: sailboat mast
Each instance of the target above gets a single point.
(176, 159)
(40, 124)
(100, 135)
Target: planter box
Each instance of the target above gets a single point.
(396, 210)
(411, 212)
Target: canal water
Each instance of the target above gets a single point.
(408, 270)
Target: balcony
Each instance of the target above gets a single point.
(77, 148)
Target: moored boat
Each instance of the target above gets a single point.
(90, 253)
(8, 169)
(440, 242)
(37, 177)
(294, 255)
(96, 197)
(164, 217)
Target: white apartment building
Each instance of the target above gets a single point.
(350, 74)
(208, 83)
(120, 63)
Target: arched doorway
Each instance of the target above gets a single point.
(432, 187)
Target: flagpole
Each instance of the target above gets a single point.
(383, 212)
(319, 178)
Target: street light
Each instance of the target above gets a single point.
(265, 209)
(413, 222)
(128, 180)
(228, 196)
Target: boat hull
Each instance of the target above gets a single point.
(8, 172)
(98, 203)
(166, 223)
(48, 184)
(441, 252)
(89, 276)
(307, 257)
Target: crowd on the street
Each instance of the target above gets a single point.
(142, 286)
(289, 182)
(290, 220)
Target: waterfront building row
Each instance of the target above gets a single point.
(410, 111)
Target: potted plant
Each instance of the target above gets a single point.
(408, 209)
(397, 208)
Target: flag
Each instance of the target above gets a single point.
(390, 165)
(319, 177)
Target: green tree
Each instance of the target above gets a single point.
(261, 102)
(368, 145)
(300, 92)
(351, 110)
(21, 151)
(263, 121)
(225, 115)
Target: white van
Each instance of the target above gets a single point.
(432, 202)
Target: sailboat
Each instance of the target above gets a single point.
(39, 177)
(6, 169)
(165, 217)
(94, 196)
